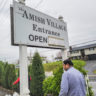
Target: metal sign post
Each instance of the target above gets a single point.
(24, 91)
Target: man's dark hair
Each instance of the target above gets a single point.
(68, 61)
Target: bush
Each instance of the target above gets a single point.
(52, 84)
(90, 93)
(46, 85)
(51, 66)
(10, 76)
(1, 73)
(37, 74)
(79, 64)
(7, 75)
(17, 86)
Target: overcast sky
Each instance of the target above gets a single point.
(80, 16)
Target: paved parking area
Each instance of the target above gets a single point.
(93, 84)
(90, 67)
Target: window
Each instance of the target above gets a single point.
(75, 51)
(91, 49)
(72, 52)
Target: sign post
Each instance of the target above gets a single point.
(24, 91)
(64, 54)
(65, 50)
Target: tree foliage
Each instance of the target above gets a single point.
(7, 75)
(37, 75)
(51, 85)
(10, 76)
(1, 73)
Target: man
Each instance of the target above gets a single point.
(73, 83)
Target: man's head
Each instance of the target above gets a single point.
(67, 64)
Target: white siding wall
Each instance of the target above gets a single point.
(75, 54)
(89, 52)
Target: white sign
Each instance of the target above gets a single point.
(33, 28)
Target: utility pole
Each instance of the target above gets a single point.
(24, 91)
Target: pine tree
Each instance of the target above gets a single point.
(10, 76)
(37, 75)
(1, 73)
(4, 75)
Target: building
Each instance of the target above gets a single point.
(58, 56)
(44, 60)
(87, 52)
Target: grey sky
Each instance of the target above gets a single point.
(80, 16)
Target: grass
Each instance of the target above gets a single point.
(51, 66)
(94, 71)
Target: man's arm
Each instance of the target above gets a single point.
(64, 85)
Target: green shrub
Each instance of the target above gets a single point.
(51, 66)
(1, 73)
(79, 64)
(94, 71)
(17, 86)
(90, 91)
(38, 75)
(7, 75)
(46, 85)
(10, 76)
(52, 84)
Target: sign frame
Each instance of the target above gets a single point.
(50, 47)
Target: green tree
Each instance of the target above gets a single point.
(10, 76)
(1, 73)
(51, 85)
(3, 77)
(38, 75)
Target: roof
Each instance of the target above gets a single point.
(83, 47)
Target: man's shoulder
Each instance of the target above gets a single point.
(73, 71)
(65, 73)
